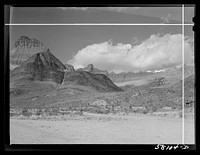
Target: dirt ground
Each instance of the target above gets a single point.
(102, 129)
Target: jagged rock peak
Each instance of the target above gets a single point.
(24, 38)
(25, 41)
(89, 68)
(24, 48)
(69, 68)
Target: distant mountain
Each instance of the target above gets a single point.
(128, 76)
(43, 66)
(99, 82)
(188, 70)
(90, 68)
(23, 49)
(115, 77)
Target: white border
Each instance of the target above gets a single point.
(183, 109)
(98, 24)
(162, 24)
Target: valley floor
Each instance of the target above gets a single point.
(101, 129)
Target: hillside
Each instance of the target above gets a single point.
(98, 81)
(189, 85)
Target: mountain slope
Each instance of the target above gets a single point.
(42, 66)
(99, 82)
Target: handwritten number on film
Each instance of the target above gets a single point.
(170, 147)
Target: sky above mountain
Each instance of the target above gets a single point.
(159, 14)
(112, 47)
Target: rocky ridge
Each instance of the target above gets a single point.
(90, 68)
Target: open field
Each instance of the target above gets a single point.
(100, 129)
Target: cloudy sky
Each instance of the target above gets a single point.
(112, 47)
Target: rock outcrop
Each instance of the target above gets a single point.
(90, 68)
(69, 68)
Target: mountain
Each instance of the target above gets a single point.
(99, 82)
(90, 68)
(23, 49)
(43, 66)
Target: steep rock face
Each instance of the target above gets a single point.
(99, 82)
(69, 68)
(42, 66)
(24, 48)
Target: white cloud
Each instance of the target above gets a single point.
(154, 53)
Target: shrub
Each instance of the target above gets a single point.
(39, 112)
(144, 111)
(79, 112)
(26, 113)
(53, 111)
